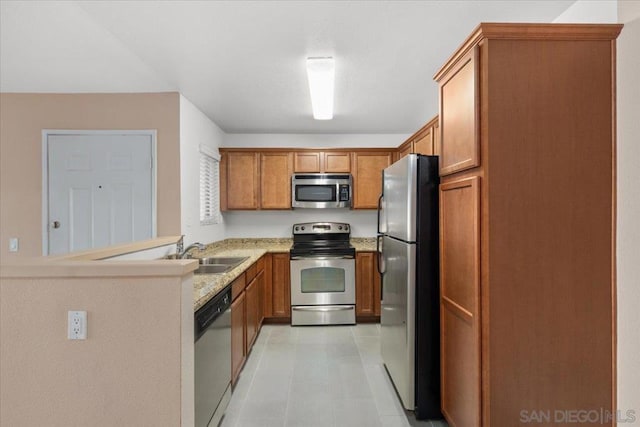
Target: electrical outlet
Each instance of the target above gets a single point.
(77, 325)
(13, 244)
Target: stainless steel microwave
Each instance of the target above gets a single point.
(321, 190)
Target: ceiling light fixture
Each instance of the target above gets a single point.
(321, 73)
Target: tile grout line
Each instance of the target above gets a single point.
(295, 354)
(253, 375)
(375, 401)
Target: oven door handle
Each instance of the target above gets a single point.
(321, 258)
(324, 309)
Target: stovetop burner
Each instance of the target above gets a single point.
(321, 239)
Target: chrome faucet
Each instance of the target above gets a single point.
(180, 246)
(185, 253)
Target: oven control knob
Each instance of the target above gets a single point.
(339, 227)
(303, 227)
(297, 228)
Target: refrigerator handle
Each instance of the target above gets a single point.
(379, 209)
(379, 255)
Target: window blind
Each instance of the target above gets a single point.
(209, 188)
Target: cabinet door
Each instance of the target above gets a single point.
(242, 180)
(281, 287)
(365, 300)
(336, 162)
(367, 177)
(436, 139)
(460, 301)
(267, 301)
(238, 330)
(252, 313)
(459, 112)
(306, 162)
(405, 149)
(424, 143)
(275, 180)
(260, 298)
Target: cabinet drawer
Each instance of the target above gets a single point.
(237, 286)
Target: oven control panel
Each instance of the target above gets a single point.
(320, 228)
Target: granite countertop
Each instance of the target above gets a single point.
(364, 244)
(206, 286)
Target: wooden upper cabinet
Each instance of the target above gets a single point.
(367, 177)
(336, 162)
(242, 179)
(275, 180)
(459, 110)
(405, 149)
(322, 161)
(423, 144)
(307, 162)
(436, 138)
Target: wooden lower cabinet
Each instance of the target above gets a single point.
(247, 313)
(278, 288)
(252, 313)
(238, 332)
(367, 285)
(260, 283)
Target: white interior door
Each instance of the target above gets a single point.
(100, 190)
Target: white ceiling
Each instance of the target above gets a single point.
(243, 62)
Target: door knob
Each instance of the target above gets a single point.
(56, 224)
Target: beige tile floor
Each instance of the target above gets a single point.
(317, 376)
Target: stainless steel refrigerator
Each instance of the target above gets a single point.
(409, 265)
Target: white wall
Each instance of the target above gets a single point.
(195, 129)
(278, 223)
(590, 11)
(628, 63)
(314, 140)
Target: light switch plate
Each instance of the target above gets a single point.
(13, 244)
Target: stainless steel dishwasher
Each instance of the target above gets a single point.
(212, 330)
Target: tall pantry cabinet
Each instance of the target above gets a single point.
(527, 128)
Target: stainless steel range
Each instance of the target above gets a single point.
(323, 285)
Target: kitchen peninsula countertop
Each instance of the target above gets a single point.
(206, 286)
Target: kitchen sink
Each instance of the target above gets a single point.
(218, 265)
(213, 269)
(222, 260)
